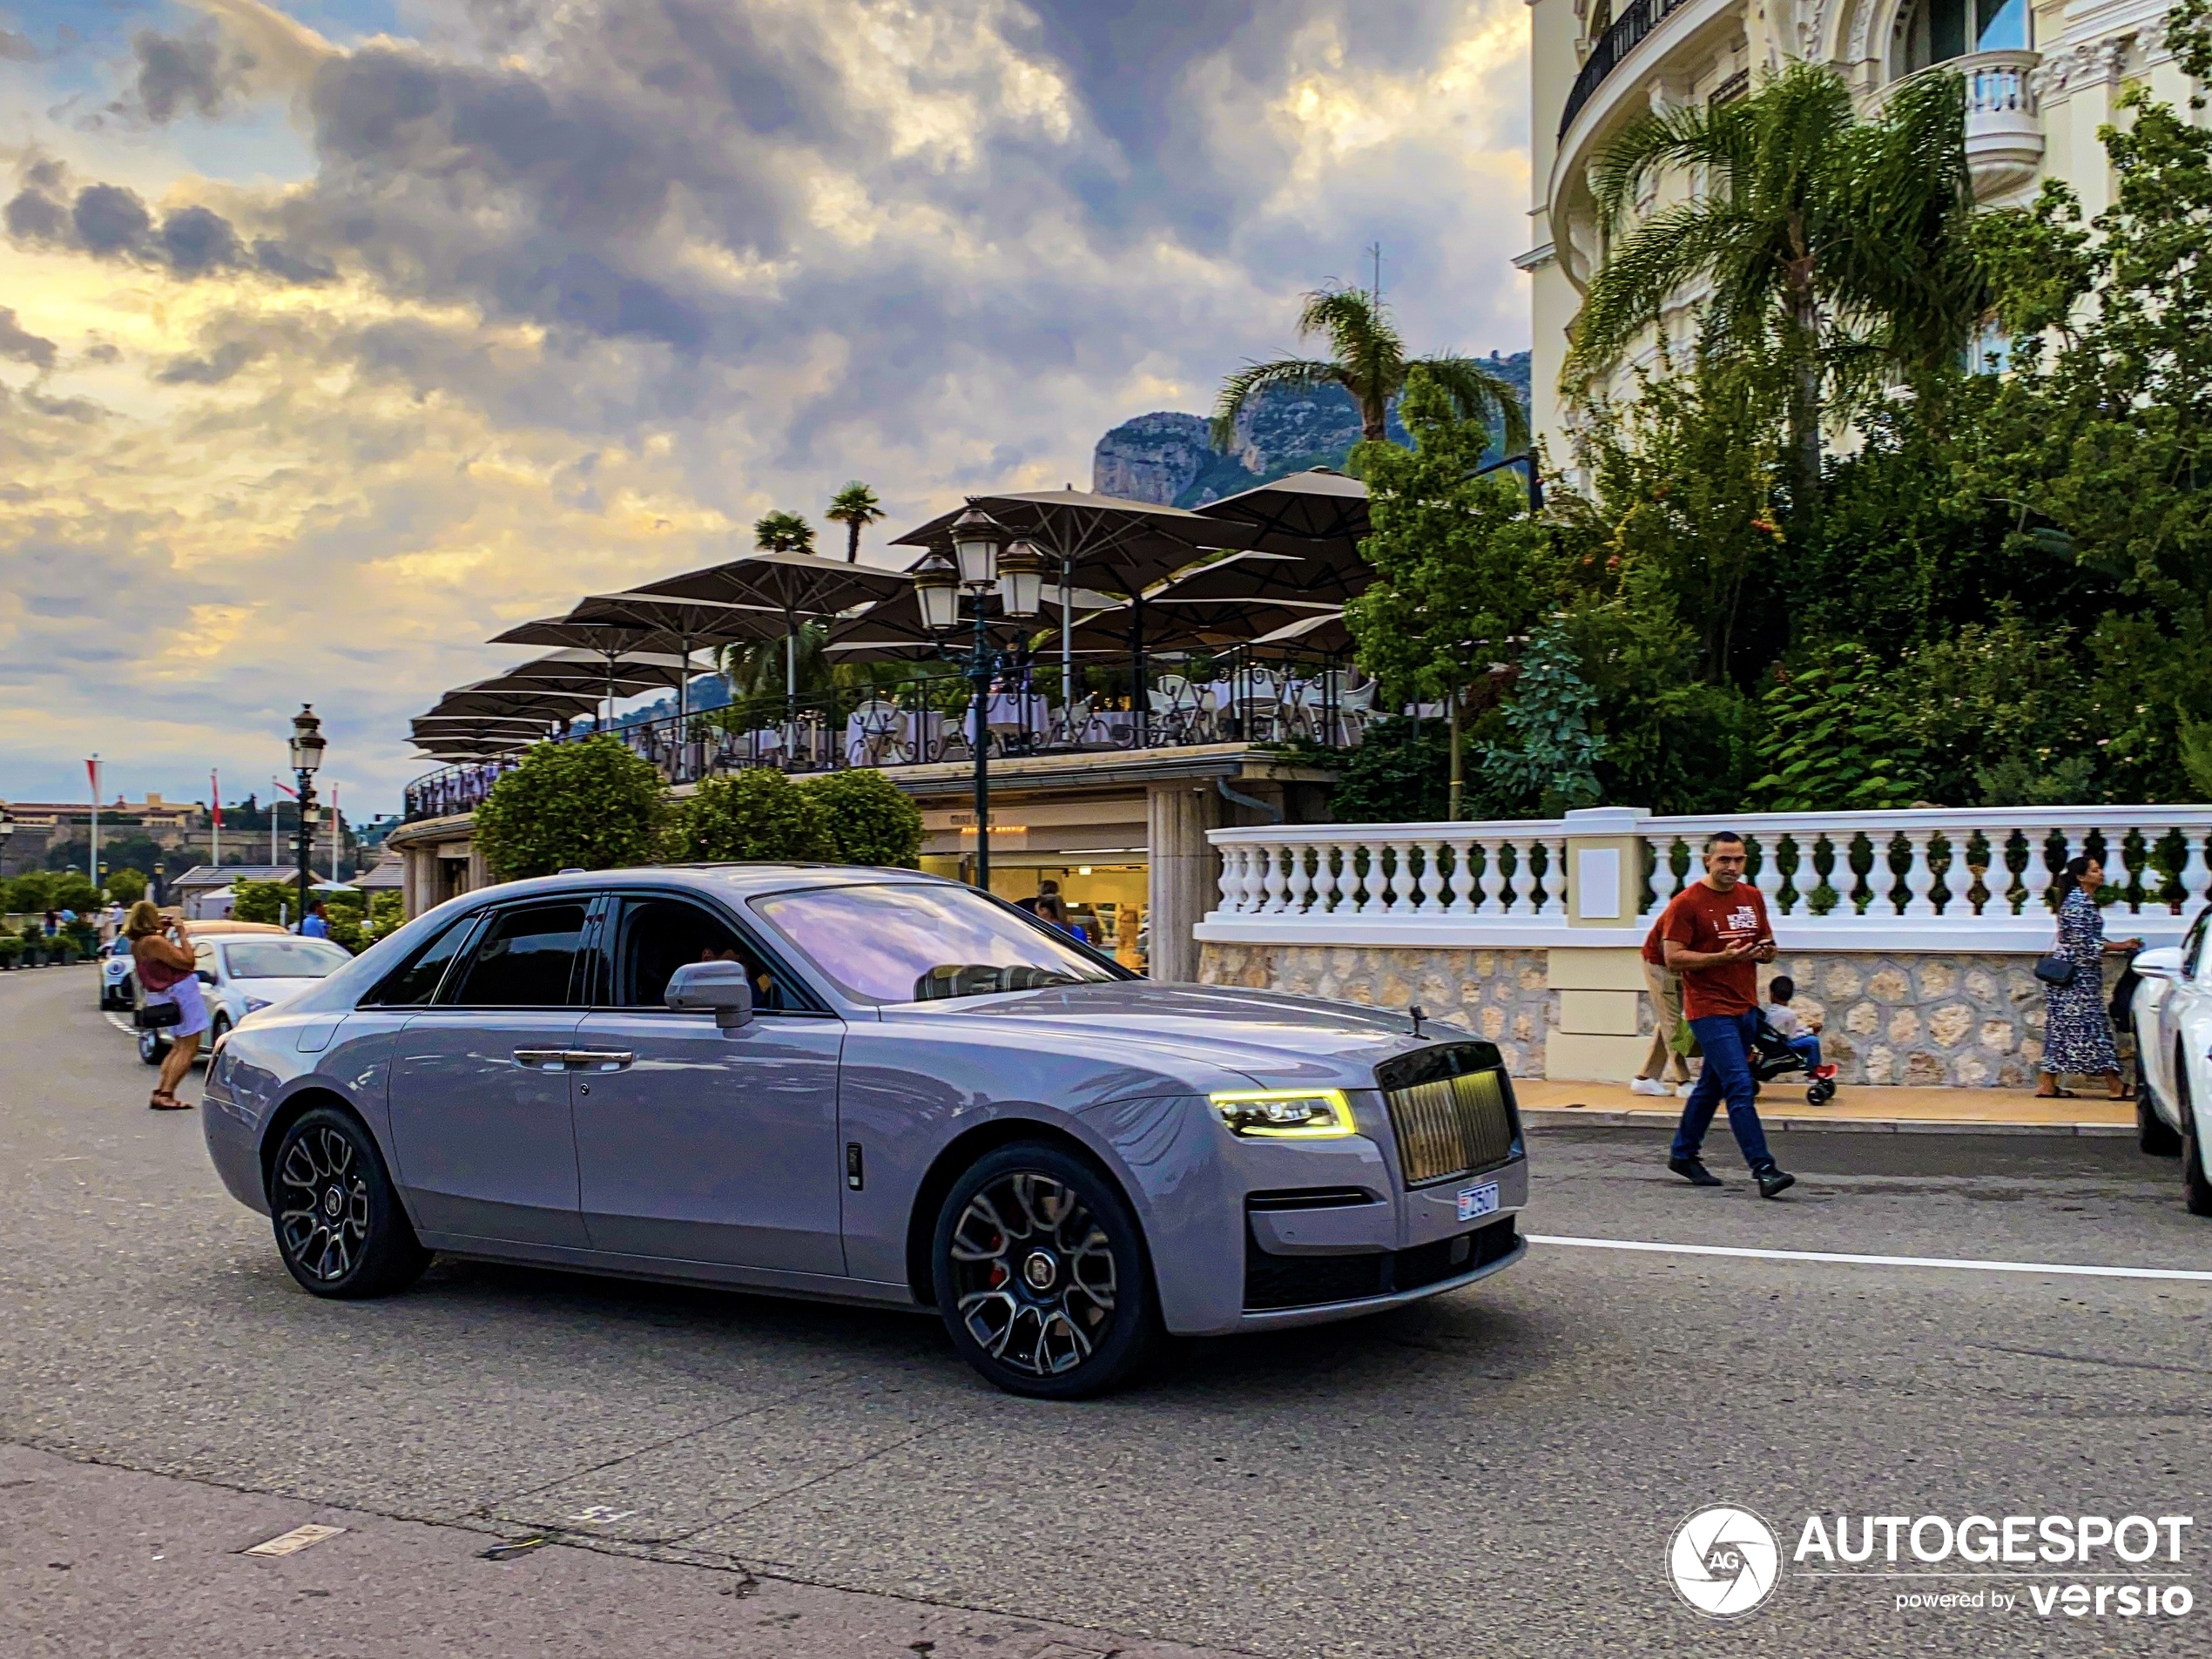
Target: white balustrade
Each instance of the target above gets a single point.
(1448, 883)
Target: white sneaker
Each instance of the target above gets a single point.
(1646, 1086)
(1685, 1089)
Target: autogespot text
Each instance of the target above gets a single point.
(2123, 1566)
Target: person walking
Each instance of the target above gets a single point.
(316, 923)
(2077, 1038)
(161, 955)
(1665, 987)
(1715, 932)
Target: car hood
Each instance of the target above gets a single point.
(1269, 1036)
(272, 990)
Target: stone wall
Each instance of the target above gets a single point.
(1968, 1021)
(1505, 995)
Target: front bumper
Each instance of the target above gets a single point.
(1487, 1257)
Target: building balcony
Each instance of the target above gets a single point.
(2004, 116)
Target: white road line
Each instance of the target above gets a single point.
(2077, 1269)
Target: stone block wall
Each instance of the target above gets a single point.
(1962, 1021)
(1505, 995)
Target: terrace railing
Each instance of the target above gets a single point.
(1924, 881)
(1278, 698)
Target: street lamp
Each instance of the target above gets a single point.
(308, 744)
(977, 568)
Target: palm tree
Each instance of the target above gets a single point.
(782, 532)
(1834, 247)
(856, 507)
(1370, 362)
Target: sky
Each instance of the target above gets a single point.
(336, 337)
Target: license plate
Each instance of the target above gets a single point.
(1478, 1201)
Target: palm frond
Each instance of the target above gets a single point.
(1478, 394)
(1668, 251)
(1239, 389)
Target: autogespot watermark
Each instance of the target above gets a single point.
(1725, 1562)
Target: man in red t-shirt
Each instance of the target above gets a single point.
(1665, 987)
(1714, 934)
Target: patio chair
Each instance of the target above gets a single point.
(875, 735)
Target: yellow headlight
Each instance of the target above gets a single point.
(1287, 1114)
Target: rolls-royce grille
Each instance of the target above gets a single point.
(1451, 1126)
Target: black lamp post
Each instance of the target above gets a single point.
(308, 744)
(977, 567)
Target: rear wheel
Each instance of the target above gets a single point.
(2153, 1134)
(1041, 1274)
(2196, 1185)
(153, 1048)
(339, 1224)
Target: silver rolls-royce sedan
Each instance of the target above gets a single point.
(872, 1085)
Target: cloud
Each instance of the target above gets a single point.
(16, 48)
(557, 297)
(19, 344)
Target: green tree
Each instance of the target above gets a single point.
(1399, 774)
(1460, 569)
(1552, 755)
(126, 886)
(1368, 360)
(2000, 715)
(756, 815)
(782, 532)
(276, 903)
(1836, 246)
(856, 507)
(870, 819)
(587, 805)
(1834, 738)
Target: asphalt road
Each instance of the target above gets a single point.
(1497, 1471)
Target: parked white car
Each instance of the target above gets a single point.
(119, 988)
(2172, 1015)
(242, 975)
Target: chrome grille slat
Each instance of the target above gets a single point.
(1450, 1126)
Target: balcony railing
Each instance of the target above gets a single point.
(1617, 43)
(1281, 697)
(1902, 881)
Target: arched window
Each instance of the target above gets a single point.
(1934, 31)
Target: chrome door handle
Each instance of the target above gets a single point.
(599, 1059)
(551, 1059)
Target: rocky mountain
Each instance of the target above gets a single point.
(1166, 457)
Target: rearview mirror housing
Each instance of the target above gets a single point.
(2164, 963)
(724, 989)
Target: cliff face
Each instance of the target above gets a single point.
(1167, 457)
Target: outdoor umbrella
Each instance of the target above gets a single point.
(1318, 516)
(615, 644)
(1324, 631)
(586, 671)
(691, 622)
(799, 588)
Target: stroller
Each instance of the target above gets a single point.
(1773, 1057)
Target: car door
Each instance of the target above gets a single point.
(697, 1143)
(479, 1088)
(2184, 1006)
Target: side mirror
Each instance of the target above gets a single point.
(206, 978)
(724, 989)
(2165, 962)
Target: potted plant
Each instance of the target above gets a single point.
(10, 950)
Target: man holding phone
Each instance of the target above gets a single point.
(1715, 934)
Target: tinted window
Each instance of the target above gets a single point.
(284, 958)
(525, 961)
(412, 987)
(659, 935)
(2192, 945)
(915, 943)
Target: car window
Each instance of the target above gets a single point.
(657, 936)
(285, 958)
(202, 955)
(914, 943)
(412, 987)
(526, 958)
(2193, 945)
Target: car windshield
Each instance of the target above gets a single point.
(285, 958)
(918, 944)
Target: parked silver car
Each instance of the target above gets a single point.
(865, 1084)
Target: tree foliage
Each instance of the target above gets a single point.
(757, 814)
(1551, 753)
(872, 820)
(856, 507)
(587, 804)
(783, 532)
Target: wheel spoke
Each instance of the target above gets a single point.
(1033, 1274)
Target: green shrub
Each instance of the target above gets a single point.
(10, 949)
(276, 902)
(590, 805)
(757, 814)
(126, 886)
(870, 819)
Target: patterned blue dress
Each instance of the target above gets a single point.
(2077, 1038)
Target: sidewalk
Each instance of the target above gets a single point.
(1882, 1110)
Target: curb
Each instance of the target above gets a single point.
(1559, 1116)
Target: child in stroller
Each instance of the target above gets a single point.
(1783, 1043)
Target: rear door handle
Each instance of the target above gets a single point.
(600, 1059)
(549, 1059)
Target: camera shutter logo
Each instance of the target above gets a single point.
(1724, 1562)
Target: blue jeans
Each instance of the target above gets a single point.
(1809, 1046)
(1726, 1039)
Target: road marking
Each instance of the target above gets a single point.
(2077, 1269)
(299, 1538)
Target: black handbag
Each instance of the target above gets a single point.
(2058, 967)
(157, 1017)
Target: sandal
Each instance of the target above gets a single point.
(163, 1100)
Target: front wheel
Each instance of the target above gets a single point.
(1040, 1275)
(2153, 1134)
(339, 1224)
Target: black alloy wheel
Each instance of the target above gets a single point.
(2153, 1134)
(2196, 1182)
(339, 1224)
(1041, 1274)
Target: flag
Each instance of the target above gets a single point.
(215, 798)
(92, 774)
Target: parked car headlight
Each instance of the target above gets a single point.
(1287, 1114)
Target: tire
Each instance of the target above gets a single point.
(153, 1048)
(2196, 1185)
(2153, 1135)
(1820, 1092)
(218, 1028)
(1042, 1275)
(338, 1222)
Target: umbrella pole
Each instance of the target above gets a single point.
(1067, 649)
(1140, 703)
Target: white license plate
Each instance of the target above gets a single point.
(1478, 1201)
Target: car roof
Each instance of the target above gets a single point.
(731, 880)
(217, 929)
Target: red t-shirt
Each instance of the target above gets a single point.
(1654, 952)
(1702, 919)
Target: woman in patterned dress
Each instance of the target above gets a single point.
(2077, 1038)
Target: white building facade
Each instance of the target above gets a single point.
(2042, 77)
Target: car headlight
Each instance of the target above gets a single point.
(1287, 1114)
(255, 1004)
